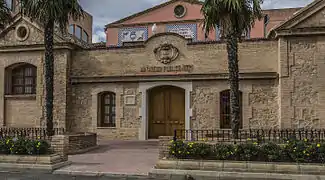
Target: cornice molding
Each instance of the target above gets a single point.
(168, 77)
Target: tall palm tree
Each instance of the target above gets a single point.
(233, 17)
(49, 13)
(5, 13)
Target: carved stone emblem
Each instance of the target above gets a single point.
(166, 53)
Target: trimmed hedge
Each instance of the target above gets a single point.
(292, 151)
(23, 146)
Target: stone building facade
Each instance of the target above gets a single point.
(143, 90)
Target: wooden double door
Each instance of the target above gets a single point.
(166, 111)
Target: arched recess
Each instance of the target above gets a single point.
(20, 78)
(145, 88)
(225, 115)
(166, 110)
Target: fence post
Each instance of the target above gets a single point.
(175, 135)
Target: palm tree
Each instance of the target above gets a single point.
(50, 13)
(233, 17)
(5, 13)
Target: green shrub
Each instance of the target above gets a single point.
(182, 150)
(247, 152)
(291, 151)
(224, 152)
(23, 146)
(271, 152)
(199, 150)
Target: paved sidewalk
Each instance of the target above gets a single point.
(115, 157)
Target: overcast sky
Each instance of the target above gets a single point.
(107, 11)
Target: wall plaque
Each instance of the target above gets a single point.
(178, 68)
(129, 100)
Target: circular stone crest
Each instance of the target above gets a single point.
(179, 11)
(166, 53)
(22, 32)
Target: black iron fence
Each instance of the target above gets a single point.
(258, 135)
(33, 133)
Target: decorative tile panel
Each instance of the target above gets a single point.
(189, 31)
(134, 34)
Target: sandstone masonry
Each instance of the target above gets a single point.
(281, 79)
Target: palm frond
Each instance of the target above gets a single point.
(58, 11)
(5, 13)
(232, 16)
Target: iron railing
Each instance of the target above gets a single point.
(33, 133)
(259, 135)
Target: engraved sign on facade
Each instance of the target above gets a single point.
(129, 100)
(166, 53)
(133, 35)
(178, 68)
(183, 31)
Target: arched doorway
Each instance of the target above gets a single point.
(166, 111)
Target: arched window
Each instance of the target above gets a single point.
(71, 29)
(85, 36)
(78, 32)
(107, 107)
(225, 117)
(21, 79)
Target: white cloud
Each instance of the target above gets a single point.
(99, 36)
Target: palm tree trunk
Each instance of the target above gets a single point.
(49, 73)
(232, 50)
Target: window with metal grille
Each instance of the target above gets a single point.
(107, 112)
(225, 114)
(21, 79)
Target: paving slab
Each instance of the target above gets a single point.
(115, 157)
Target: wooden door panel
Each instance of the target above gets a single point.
(157, 115)
(166, 111)
(176, 110)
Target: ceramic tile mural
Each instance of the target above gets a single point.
(133, 34)
(187, 30)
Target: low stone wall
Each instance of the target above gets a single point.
(164, 142)
(81, 142)
(242, 166)
(28, 159)
(203, 169)
(46, 163)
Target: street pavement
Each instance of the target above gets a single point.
(41, 176)
(115, 157)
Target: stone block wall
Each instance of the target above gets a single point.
(79, 143)
(163, 146)
(60, 145)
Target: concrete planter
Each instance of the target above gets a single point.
(233, 169)
(42, 162)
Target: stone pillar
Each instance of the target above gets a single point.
(164, 142)
(60, 145)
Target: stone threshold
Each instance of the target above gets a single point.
(242, 166)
